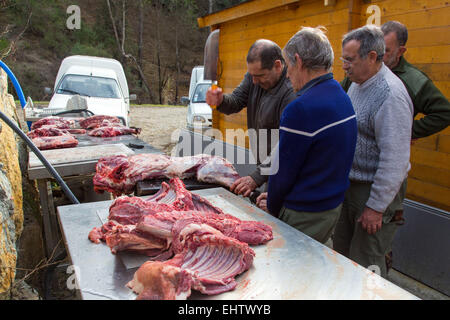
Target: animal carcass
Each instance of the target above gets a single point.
(119, 174)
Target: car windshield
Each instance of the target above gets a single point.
(200, 93)
(89, 86)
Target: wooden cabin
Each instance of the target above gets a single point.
(428, 48)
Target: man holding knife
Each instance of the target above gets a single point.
(265, 91)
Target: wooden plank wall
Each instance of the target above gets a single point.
(278, 24)
(428, 48)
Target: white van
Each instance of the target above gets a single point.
(196, 76)
(199, 113)
(99, 81)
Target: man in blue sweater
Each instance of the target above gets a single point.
(317, 141)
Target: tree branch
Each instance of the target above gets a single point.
(116, 35)
(12, 47)
(121, 47)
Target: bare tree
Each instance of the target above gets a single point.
(162, 71)
(210, 6)
(175, 6)
(182, 28)
(121, 43)
(140, 31)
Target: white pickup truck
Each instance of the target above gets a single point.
(99, 82)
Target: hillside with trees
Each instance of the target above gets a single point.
(157, 42)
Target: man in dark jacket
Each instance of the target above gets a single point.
(265, 91)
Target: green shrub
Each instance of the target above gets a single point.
(88, 50)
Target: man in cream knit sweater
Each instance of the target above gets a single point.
(384, 113)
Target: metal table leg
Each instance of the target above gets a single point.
(51, 231)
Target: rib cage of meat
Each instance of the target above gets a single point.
(171, 197)
(119, 174)
(157, 214)
(206, 261)
(210, 247)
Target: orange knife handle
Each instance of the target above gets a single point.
(214, 86)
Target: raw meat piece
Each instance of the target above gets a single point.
(97, 120)
(52, 133)
(128, 211)
(56, 122)
(161, 281)
(98, 234)
(161, 224)
(143, 220)
(217, 170)
(119, 174)
(113, 131)
(207, 247)
(171, 197)
(57, 142)
(206, 260)
(129, 238)
(47, 131)
(152, 235)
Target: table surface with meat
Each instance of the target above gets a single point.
(290, 266)
(67, 165)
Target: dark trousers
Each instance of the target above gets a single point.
(317, 225)
(352, 241)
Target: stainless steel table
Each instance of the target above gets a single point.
(291, 266)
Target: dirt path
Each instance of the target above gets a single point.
(159, 125)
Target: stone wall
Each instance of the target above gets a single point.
(11, 198)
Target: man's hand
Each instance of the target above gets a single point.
(261, 201)
(244, 186)
(214, 97)
(371, 220)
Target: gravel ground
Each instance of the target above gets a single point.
(159, 125)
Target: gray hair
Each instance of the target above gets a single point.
(313, 47)
(370, 37)
(400, 31)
